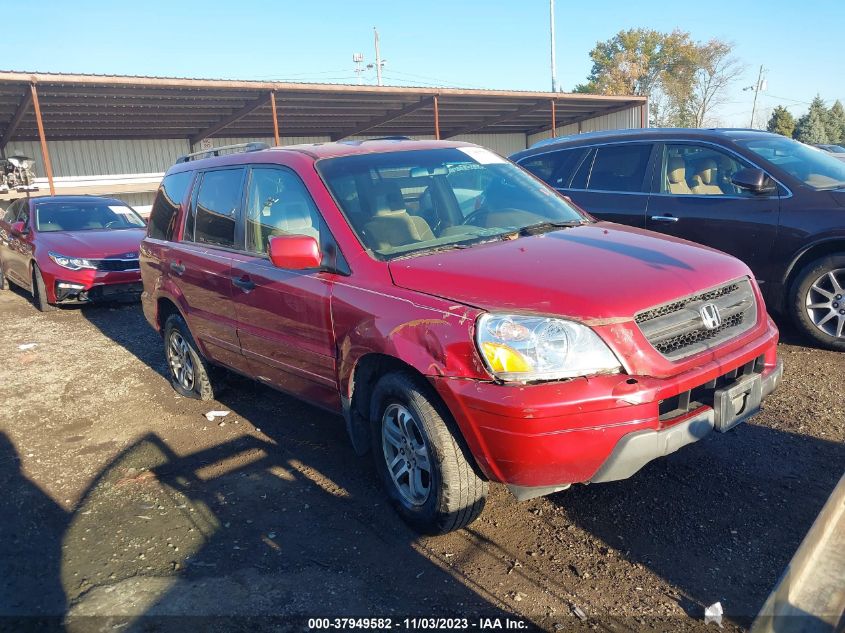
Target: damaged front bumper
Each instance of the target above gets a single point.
(538, 439)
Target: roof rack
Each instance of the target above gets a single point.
(215, 151)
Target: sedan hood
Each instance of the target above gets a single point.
(592, 273)
(93, 244)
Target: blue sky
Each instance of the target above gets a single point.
(469, 43)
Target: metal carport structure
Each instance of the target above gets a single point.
(51, 107)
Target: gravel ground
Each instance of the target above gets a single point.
(120, 500)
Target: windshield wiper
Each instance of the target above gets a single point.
(544, 227)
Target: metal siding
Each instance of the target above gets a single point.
(623, 120)
(285, 140)
(102, 158)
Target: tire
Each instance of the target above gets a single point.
(821, 283)
(39, 291)
(455, 494)
(190, 373)
(4, 283)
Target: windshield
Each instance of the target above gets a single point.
(93, 215)
(812, 166)
(402, 203)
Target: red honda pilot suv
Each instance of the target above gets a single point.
(470, 323)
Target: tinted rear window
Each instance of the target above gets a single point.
(166, 205)
(218, 202)
(555, 167)
(619, 168)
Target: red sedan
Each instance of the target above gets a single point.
(71, 249)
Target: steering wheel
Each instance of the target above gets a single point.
(475, 215)
(108, 225)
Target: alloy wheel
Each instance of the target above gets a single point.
(825, 302)
(406, 454)
(181, 363)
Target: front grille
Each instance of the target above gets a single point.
(117, 265)
(677, 329)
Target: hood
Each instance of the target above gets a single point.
(590, 273)
(92, 244)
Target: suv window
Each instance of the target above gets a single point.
(699, 170)
(166, 205)
(278, 204)
(555, 167)
(217, 206)
(619, 167)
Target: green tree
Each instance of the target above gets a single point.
(812, 127)
(781, 122)
(836, 123)
(683, 80)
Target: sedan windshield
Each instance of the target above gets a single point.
(402, 203)
(812, 166)
(93, 215)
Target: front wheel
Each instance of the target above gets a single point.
(421, 457)
(818, 301)
(39, 291)
(189, 372)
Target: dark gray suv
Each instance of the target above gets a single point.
(777, 204)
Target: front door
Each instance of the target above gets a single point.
(17, 247)
(694, 199)
(284, 316)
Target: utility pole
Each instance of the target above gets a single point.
(378, 58)
(552, 40)
(757, 88)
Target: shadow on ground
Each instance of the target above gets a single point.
(720, 519)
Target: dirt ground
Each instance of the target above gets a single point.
(120, 500)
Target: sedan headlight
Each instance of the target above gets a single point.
(72, 263)
(525, 348)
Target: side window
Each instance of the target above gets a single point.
(12, 211)
(582, 172)
(699, 170)
(278, 204)
(218, 202)
(620, 168)
(555, 167)
(166, 205)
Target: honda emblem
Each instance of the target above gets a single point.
(710, 316)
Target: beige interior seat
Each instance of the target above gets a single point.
(676, 172)
(391, 225)
(705, 179)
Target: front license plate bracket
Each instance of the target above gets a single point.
(737, 402)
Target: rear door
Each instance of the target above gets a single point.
(694, 199)
(284, 316)
(200, 266)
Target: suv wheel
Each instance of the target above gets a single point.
(422, 459)
(39, 291)
(189, 372)
(818, 301)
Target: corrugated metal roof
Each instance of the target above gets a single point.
(76, 106)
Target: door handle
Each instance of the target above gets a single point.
(664, 218)
(244, 283)
(177, 269)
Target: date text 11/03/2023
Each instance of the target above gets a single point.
(410, 624)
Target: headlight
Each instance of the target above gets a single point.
(72, 263)
(525, 348)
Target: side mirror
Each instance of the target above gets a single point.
(295, 252)
(19, 228)
(754, 180)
